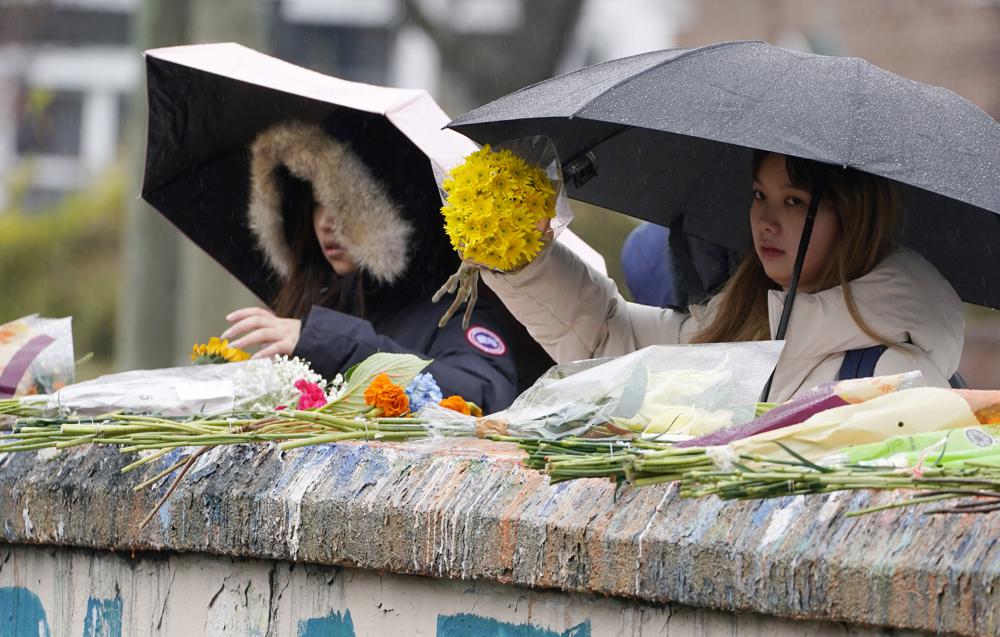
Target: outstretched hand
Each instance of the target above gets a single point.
(257, 326)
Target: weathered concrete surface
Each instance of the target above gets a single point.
(470, 511)
(81, 592)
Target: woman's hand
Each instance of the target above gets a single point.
(545, 227)
(276, 336)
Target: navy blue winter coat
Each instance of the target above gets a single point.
(476, 364)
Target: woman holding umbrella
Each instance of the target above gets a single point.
(357, 271)
(669, 137)
(863, 302)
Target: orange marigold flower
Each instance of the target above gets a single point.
(456, 403)
(387, 396)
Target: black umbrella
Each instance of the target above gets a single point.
(672, 132)
(208, 102)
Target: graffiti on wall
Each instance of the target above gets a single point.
(464, 625)
(333, 625)
(22, 615)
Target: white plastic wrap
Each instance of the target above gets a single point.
(174, 391)
(719, 380)
(36, 355)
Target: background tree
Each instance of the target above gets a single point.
(173, 294)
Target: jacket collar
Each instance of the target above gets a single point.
(904, 299)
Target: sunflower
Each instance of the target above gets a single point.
(216, 351)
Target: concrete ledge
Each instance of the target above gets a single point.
(468, 510)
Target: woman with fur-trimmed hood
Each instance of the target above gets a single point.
(358, 260)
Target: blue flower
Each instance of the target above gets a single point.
(423, 390)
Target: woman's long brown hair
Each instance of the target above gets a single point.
(868, 215)
(312, 280)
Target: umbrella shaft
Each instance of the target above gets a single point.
(800, 257)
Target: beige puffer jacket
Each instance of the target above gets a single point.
(576, 313)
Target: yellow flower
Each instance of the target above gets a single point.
(216, 351)
(495, 201)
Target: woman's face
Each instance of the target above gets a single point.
(335, 254)
(777, 215)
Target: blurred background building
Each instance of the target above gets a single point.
(74, 240)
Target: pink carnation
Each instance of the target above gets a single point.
(311, 394)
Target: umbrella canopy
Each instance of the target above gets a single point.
(208, 102)
(672, 133)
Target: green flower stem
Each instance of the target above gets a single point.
(322, 439)
(206, 441)
(27, 447)
(75, 442)
(585, 471)
(417, 429)
(166, 472)
(324, 419)
(141, 461)
(398, 436)
(162, 423)
(70, 428)
(898, 504)
(642, 482)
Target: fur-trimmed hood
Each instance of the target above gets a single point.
(367, 222)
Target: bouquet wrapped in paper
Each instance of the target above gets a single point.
(809, 403)
(36, 356)
(911, 411)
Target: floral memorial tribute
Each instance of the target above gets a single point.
(685, 414)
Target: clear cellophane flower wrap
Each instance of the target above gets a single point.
(661, 392)
(500, 206)
(192, 390)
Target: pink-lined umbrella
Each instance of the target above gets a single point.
(208, 102)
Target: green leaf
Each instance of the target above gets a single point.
(803, 459)
(350, 371)
(401, 368)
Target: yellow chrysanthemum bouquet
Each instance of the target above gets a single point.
(498, 205)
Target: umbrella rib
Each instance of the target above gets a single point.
(395, 108)
(854, 113)
(687, 54)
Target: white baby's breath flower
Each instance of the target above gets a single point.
(336, 387)
(272, 383)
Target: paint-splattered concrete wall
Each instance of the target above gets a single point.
(72, 592)
(469, 516)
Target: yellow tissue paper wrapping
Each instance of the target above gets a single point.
(906, 412)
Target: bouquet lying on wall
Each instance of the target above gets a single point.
(280, 401)
(36, 356)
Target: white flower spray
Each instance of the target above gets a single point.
(271, 383)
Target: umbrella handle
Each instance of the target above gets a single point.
(800, 257)
(582, 167)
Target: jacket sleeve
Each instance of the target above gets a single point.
(483, 372)
(333, 341)
(575, 312)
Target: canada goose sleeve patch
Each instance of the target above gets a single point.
(486, 340)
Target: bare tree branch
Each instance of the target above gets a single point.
(492, 65)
